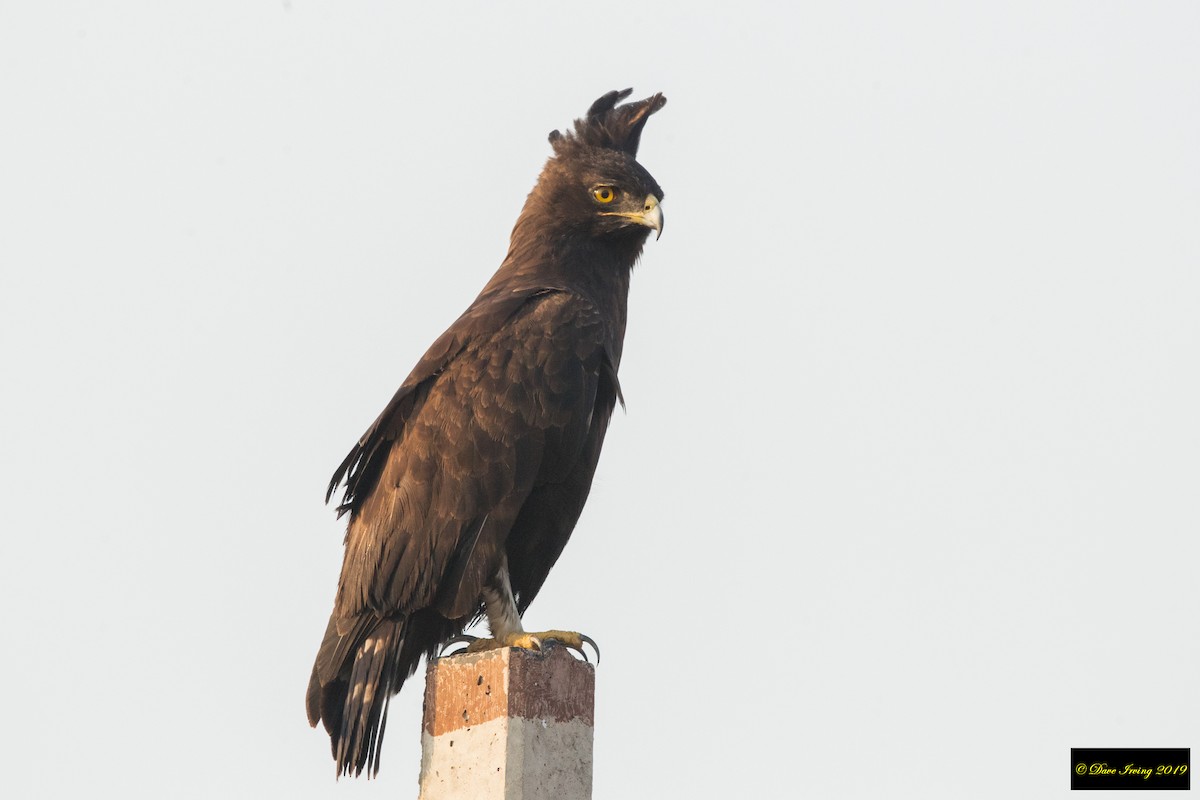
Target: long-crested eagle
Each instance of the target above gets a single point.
(464, 491)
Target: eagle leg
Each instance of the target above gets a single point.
(504, 621)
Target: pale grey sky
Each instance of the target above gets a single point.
(905, 499)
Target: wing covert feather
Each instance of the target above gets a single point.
(507, 414)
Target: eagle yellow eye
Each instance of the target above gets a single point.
(604, 194)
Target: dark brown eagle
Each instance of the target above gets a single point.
(464, 491)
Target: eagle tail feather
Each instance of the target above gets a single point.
(370, 688)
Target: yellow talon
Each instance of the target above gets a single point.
(528, 640)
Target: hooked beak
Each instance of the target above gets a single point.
(652, 217)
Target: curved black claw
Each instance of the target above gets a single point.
(462, 638)
(583, 639)
(592, 642)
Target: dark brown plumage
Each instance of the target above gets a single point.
(464, 491)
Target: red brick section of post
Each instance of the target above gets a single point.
(508, 724)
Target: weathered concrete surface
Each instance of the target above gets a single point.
(512, 724)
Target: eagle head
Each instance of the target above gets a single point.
(593, 183)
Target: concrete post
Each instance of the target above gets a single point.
(508, 724)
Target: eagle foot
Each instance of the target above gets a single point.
(526, 640)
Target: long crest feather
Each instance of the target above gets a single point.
(611, 126)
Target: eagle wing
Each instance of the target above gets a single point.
(360, 469)
(493, 437)
(489, 421)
